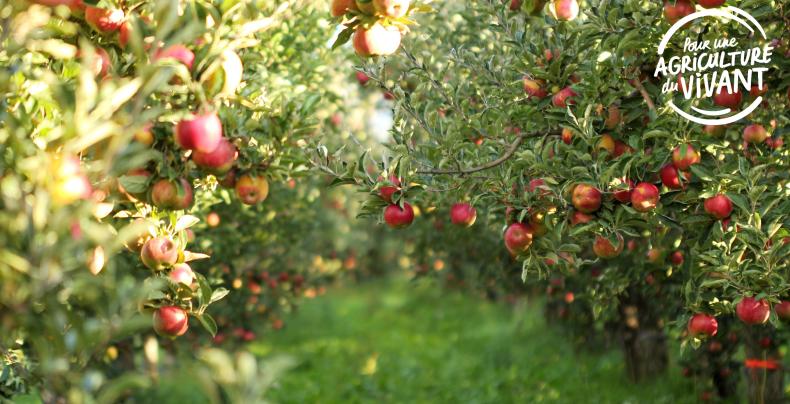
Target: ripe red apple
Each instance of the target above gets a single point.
(678, 10)
(391, 8)
(397, 217)
(677, 258)
(586, 198)
(563, 98)
(621, 148)
(755, 133)
(159, 253)
(727, 99)
(172, 195)
(124, 32)
(362, 78)
(564, 10)
(702, 324)
(535, 88)
(182, 273)
(515, 5)
(178, 52)
(463, 214)
(104, 20)
(218, 161)
(376, 41)
(757, 91)
(567, 136)
(684, 157)
(603, 248)
(387, 191)
(670, 177)
(775, 143)
(719, 206)
(200, 132)
(171, 321)
(251, 189)
(644, 197)
(655, 255)
(711, 3)
(340, 7)
(518, 238)
(624, 195)
(752, 311)
(580, 218)
(782, 310)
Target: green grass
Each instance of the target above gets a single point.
(395, 342)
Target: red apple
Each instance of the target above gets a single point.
(172, 195)
(676, 258)
(757, 91)
(252, 189)
(182, 273)
(621, 148)
(171, 321)
(218, 161)
(624, 195)
(775, 143)
(702, 324)
(362, 78)
(586, 198)
(606, 143)
(782, 310)
(563, 98)
(124, 32)
(719, 206)
(655, 256)
(386, 192)
(200, 132)
(727, 99)
(101, 63)
(340, 7)
(614, 117)
(178, 52)
(391, 8)
(711, 3)
(397, 217)
(518, 238)
(644, 197)
(685, 157)
(535, 88)
(678, 10)
(580, 218)
(463, 214)
(104, 20)
(670, 177)
(603, 248)
(567, 136)
(564, 10)
(159, 253)
(755, 133)
(376, 41)
(752, 311)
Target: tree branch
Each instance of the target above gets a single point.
(645, 95)
(511, 150)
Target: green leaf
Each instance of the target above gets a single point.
(218, 294)
(343, 37)
(208, 323)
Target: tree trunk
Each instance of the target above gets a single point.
(764, 373)
(644, 343)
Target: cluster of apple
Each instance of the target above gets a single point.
(674, 10)
(750, 311)
(377, 25)
(562, 10)
(397, 216)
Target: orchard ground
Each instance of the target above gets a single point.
(414, 342)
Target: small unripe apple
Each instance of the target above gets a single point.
(563, 98)
(603, 248)
(397, 217)
(172, 195)
(702, 324)
(782, 310)
(644, 197)
(719, 206)
(171, 321)
(535, 88)
(711, 3)
(182, 273)
(218, 161)
(685, 157)
(755, 133)
(678, 10)
(586, 198)
(670, 177)
(752, 311)
(728, 99)
(159, 253)
(463, 214)
(376, 41)
(341, 7)
(252, 190)
(178, 52)
(564, 10)
(104, 20)
(391, 8)
(200, 132)
(518, 238)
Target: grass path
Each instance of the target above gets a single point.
(395, 342)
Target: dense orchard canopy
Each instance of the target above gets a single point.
(177, 174)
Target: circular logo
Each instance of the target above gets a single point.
(717, 68)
